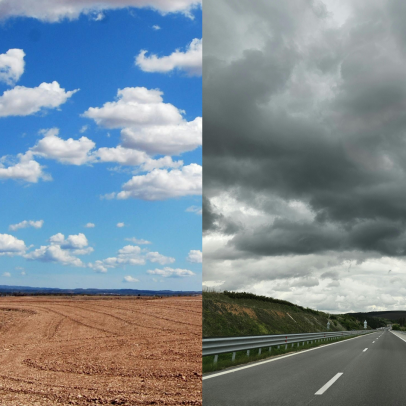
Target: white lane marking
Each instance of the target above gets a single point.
(365, 349)
(275, 359)
(398, 336)
(328, 384)
(373, 342)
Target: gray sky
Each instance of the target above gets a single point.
(305, 151)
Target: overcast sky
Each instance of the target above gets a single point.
(305, 151)
(100, 143)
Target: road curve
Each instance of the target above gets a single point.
(367, 370)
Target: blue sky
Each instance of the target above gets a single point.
(100, 157)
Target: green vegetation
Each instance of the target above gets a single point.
(229, 314)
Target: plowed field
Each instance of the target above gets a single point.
(92, 351)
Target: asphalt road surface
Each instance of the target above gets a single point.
(368, 370)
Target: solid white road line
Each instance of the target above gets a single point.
(365, 349)
(328, 384)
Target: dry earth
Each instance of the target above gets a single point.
(97, 350)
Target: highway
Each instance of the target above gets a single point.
(367, 370)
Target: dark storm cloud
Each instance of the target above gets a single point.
(213, 221)
(271, 129)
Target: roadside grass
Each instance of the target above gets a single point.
(241, 357)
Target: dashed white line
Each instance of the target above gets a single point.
(373, 342)
(328, 384)
(365, 349)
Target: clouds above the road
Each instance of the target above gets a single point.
(304, 149)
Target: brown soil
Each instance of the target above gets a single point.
(100, 351)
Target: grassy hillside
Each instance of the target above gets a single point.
(230, 314)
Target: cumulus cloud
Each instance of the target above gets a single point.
(195, 256)
(7, 274)
(70, 151)
(189, 61)
(25, 224)
(130, 279)
(11, 66)
(135, 106)
(54, 253)
(25, 169)
(130, 255)
(57, 10)
(138, 241)
(24, 101)
(120, 225)
(157, 257)
(156, 27)
(171, 139)
(62, 250)
(90, 225)
(171, 273)
(161, 184)
(148, 125)
(132, 157)
(10, 245)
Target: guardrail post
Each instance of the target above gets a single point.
(216, 357)
(259, 351)
(248, 353)
(270, 349)
(286, 346)
(279, 347)
(233, 357)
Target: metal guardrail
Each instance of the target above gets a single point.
(215, 346)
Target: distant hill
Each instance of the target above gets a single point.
(385, 317)
(229, 314)
(27, 290)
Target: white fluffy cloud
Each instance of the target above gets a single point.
(160, 259)
(138, 241)
(132, 157)
(161, 184)
(130, 279)
(171, 273)
(148, 124)
(10, 245)
(27, 169)
(90, 225)
(189, 61)
(73, 242)
(56, 10)
(11, 66)
(171, 139)
(23, 101)
(54, 253)
(120, 225)
(135, 106)
(62, 250)
(74, 152)
(195, 256)
(130, 255)
(25, 224)
(6, 274)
